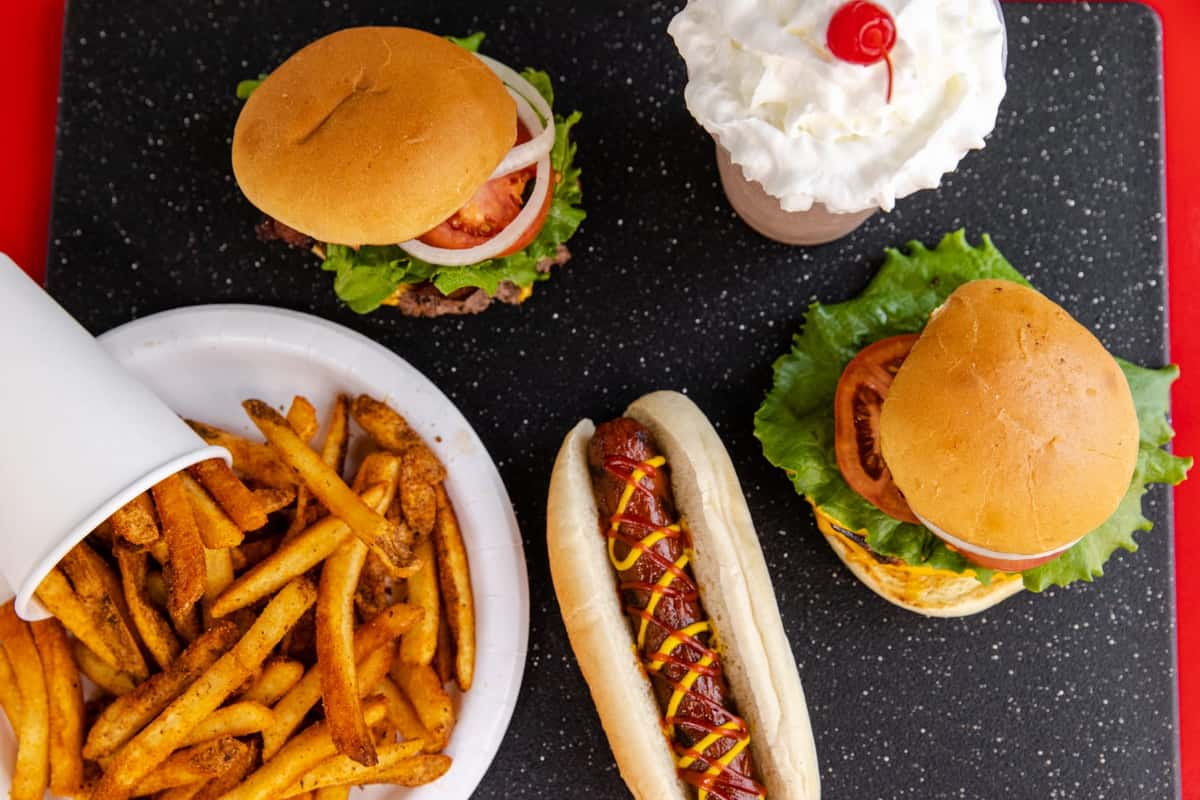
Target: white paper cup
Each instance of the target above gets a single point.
(79, 437)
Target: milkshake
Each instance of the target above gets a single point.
(825, 111)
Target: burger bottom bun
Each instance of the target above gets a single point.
(735, 590)
(922, 590)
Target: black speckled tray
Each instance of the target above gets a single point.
(1070, 694)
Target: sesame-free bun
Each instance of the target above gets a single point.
(1009, 426)
(372, 135)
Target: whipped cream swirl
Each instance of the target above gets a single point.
(812, 128)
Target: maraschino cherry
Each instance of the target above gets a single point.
(863, 33)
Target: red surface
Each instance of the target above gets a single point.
(29, 64)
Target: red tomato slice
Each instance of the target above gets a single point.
(860, 394)
(492, 208)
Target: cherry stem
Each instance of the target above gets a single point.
(887, 57)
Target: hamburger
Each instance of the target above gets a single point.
(425, 175)
(960, 437)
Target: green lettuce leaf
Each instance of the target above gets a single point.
(469, 43)
(247, 87)
(368, 276)
(795, 422)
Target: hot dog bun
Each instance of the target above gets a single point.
(735, 589)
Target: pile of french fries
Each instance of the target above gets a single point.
(266, 631)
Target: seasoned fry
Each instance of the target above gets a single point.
(376, 585)
(99, 588)
(235, 719)
(31, 775)
(370, 636)
(343, 771)
(57, 596)
(420, 643)
(408, 772)
(184, 566)
(66, 711)
(10, 693)
(443, 659)
(137, 757)
(242, 505)
(185, 767)
(325, 484)
(417, 495)
(291, 559)
(236, 769)
(305, 751)
(388, 428)
(421, 686)
(218, 577)
(217, 530)
(337, 435)
(272, 500)
(135, 522)
(330, 793)
(130, 712)
(454, 574)
(302, 416)
(154, 629)
(255, 460)
(99, 672)
(403, 717)
(335, 651)
(277, 678)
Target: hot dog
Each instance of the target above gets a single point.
(669, 609)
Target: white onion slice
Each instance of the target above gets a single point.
(529, 152)
(510, 77)
(448, 257)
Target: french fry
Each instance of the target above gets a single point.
(243, 506)
(135, 522)
(454, 574)
(333, 453)
(341, 770)
(236, 769)
(385, 426)
(302, 416)
(370, 636)
(10, 693)
(417, 493)
(66, 711)
(408, 772)
(420, 643)
(272, 500)
(443, 659)
(184, 565)
(303, 752)
(291, 559)
(141, 753)
(331, 793)
(327, 486)
(335, 651)
(154, 629)
(99, 588)
(218, 570)
(57, 596)
(31, 775)
(403, 717)
(156, 588)
(185, 767)
(126, 715)
(101, 673)
(255, 460)
(376, 585)
(235, 719)
(421, 686)
(216, 528)
(277, 679)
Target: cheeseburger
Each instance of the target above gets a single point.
(961, 437)
(425, 175)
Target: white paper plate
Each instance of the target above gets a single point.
(203, 361)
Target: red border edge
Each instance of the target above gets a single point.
(30, 59)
